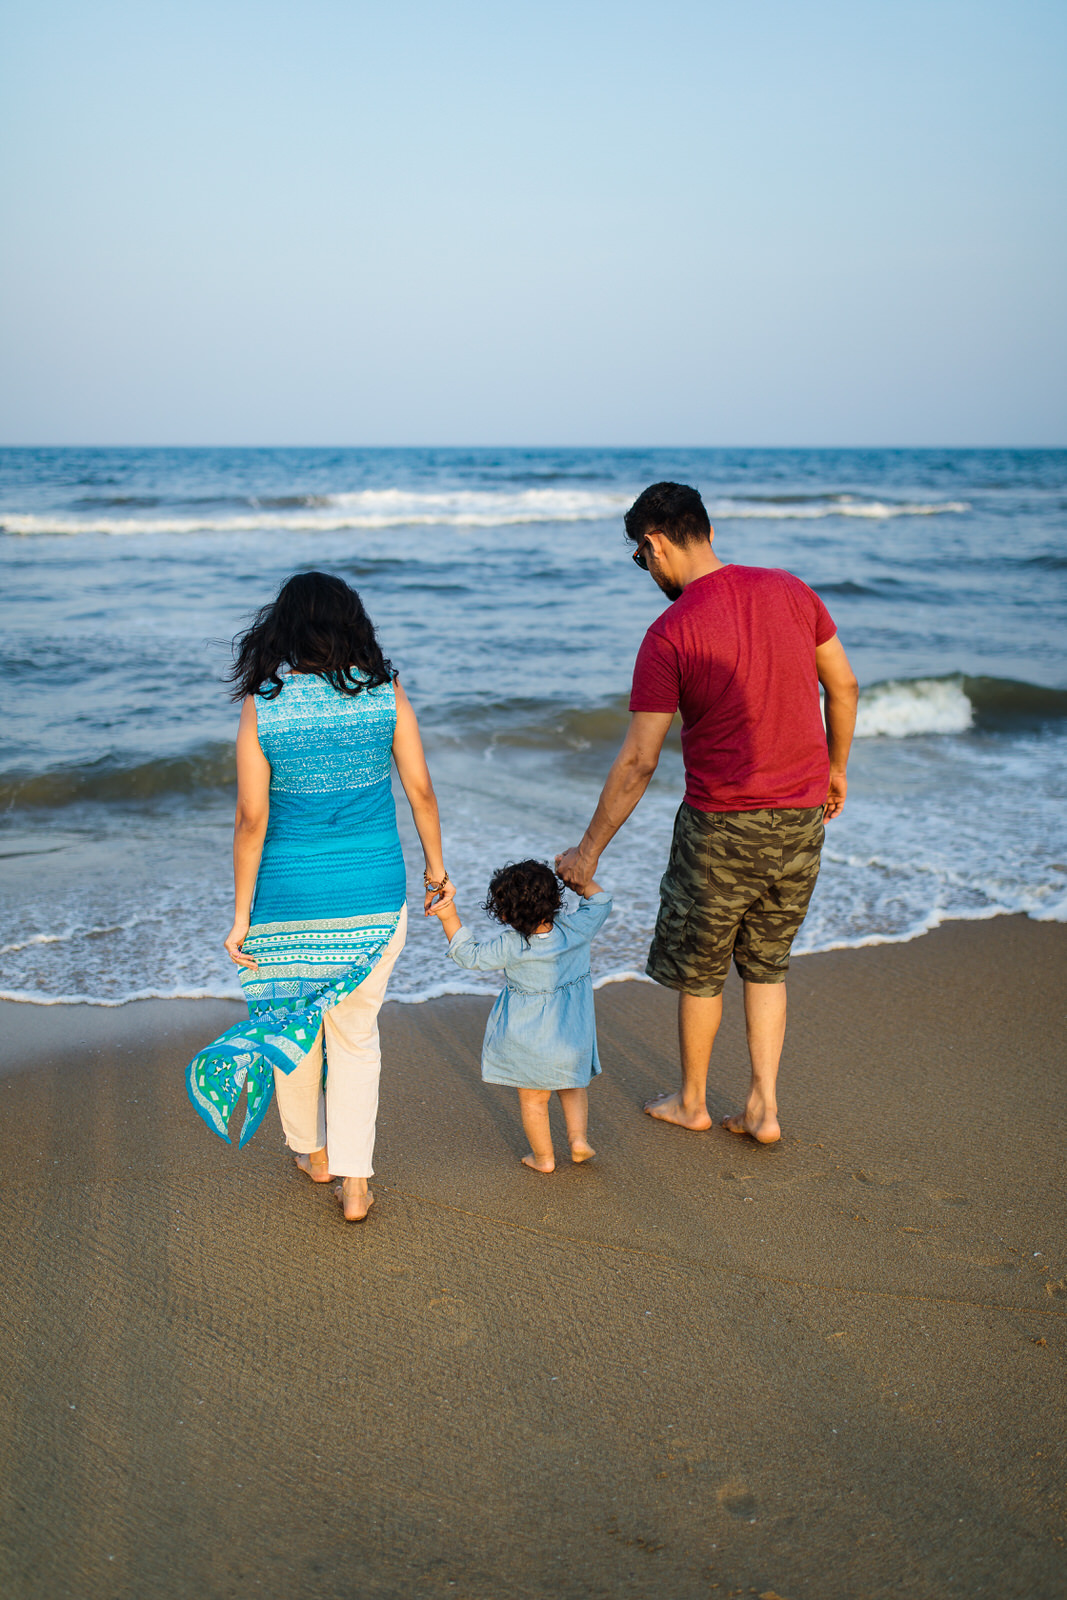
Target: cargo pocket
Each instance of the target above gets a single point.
(672, 921)
(669, 957)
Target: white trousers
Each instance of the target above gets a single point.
(343, 1117)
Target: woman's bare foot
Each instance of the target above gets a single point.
(356, 1199)
(582, 1150)
(315, 1165)
(538, 1163)
(758, 1124)
(669, 1108)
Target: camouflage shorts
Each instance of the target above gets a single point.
(737, 884)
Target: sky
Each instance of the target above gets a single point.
(732, 222)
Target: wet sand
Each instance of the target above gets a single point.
(695, 1367)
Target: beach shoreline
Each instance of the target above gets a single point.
(829, 1368)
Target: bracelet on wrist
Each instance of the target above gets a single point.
(435, 887)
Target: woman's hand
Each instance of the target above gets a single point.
(233, 942)
(435, 900)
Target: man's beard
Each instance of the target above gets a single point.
(671, 590)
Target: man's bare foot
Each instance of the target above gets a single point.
(537, 1165)
(581, 1150)
(316, 1166)
(669, 1108)
(763, 1127)
(356, 1199)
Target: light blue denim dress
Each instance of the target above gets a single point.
(541, 1032)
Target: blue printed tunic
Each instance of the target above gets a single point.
(329, 891)
(541, 1032)
(331, 876)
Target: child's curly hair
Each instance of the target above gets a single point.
(524, 894)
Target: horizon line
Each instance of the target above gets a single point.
(175, 445)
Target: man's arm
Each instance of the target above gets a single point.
(841, 692)
(627, 781)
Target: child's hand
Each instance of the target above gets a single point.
(447, 916)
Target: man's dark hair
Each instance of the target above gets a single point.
(673, 509)
(523, 895)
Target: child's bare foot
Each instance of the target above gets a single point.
(669, 1108)
(316, 1166)
(356, 1199)
(538, 1163)
(581, 1150)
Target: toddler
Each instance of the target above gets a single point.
(541, 1033)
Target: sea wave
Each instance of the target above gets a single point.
(485, 508)
(904, 707)
(211, 766)
(365, 508)
(815, 508)
(899, 708)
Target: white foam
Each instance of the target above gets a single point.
(366, 508)
(477, 508)
(832, 506)
(109, 1002)
(899, 710)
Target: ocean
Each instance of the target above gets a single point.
(503, 591)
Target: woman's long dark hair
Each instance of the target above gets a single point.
(317, 625)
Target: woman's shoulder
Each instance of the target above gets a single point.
(312, 689)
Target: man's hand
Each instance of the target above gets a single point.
(575, 869)
(842, 697)
(835, 796)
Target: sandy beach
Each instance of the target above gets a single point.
(834, 1368)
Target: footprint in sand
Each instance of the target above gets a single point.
(737, 1501)
(985, 1260)
(877, 1180)
(748, 1183)
(450, 1322)
(946, 1197)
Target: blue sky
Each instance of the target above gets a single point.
(330, 222)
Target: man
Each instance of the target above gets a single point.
(741, 653)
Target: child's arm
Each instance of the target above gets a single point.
(593, 909)
(467, 952)
(447, 916)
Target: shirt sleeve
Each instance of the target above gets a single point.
(591, 914)
(491, 956)
(825, 626)
(657, 680)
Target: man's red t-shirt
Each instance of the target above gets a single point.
(735, 653)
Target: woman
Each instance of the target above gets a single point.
(319, 893)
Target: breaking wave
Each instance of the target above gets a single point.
(897, 709)
(904, 707)
(396, 508)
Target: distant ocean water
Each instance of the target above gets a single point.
(503, 591)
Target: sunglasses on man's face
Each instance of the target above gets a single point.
(638, 557)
